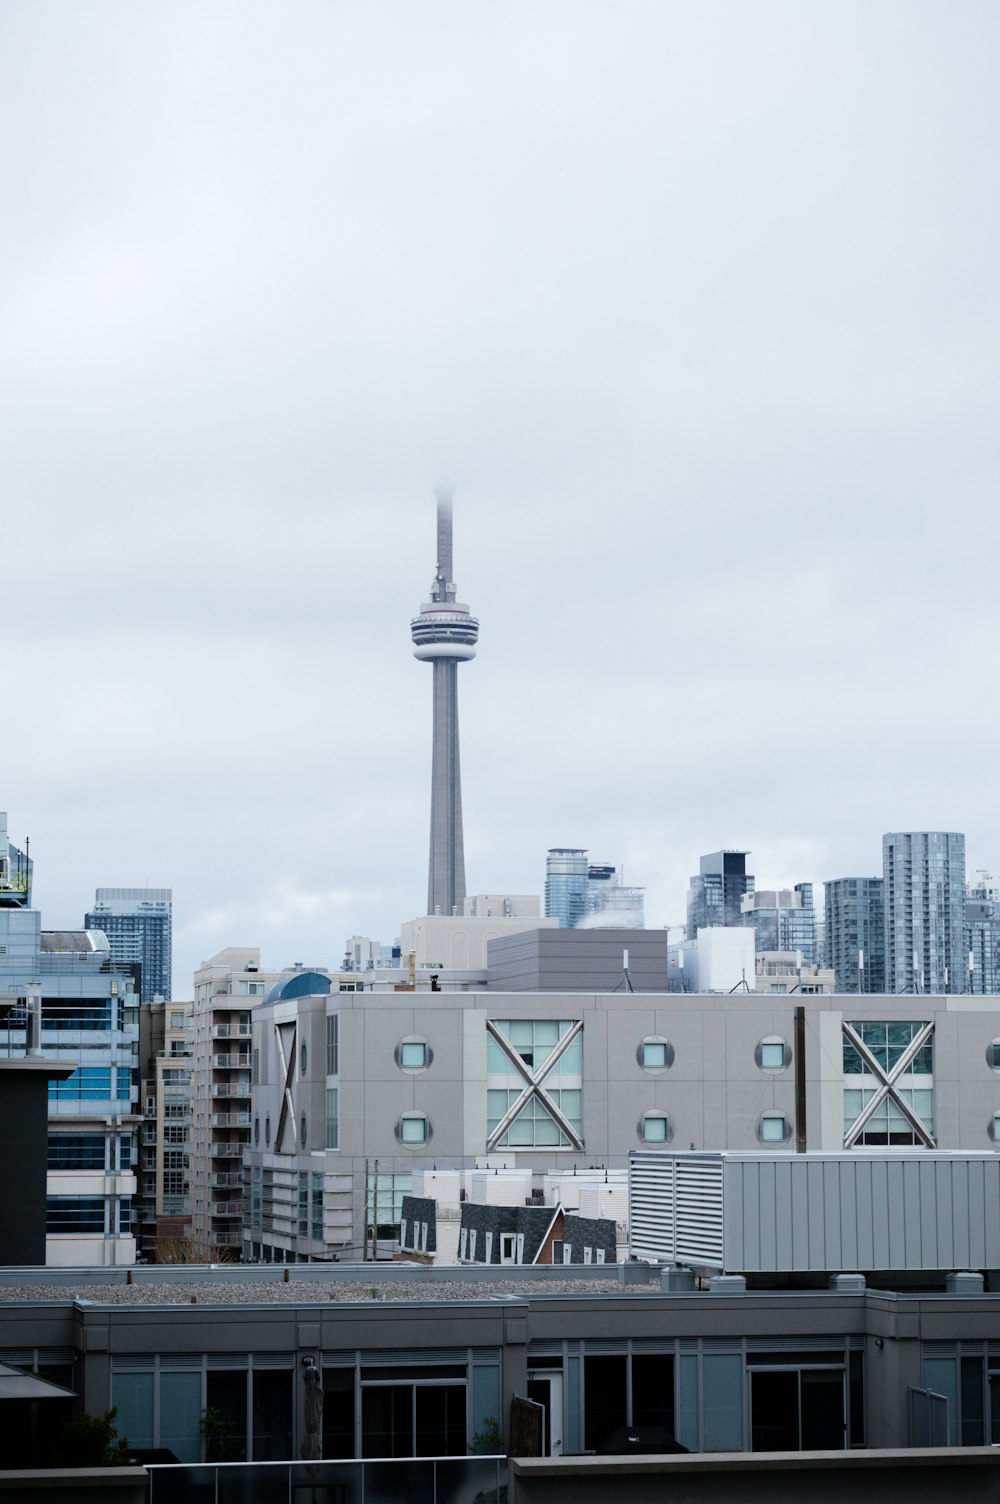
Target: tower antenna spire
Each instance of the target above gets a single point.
(445, 635)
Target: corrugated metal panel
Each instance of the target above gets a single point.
(675, 1208)
(773, 1212)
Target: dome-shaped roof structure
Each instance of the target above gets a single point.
(300, 984)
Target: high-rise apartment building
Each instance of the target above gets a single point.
(566, 870)
(445, 635)
(924, 892)
(226, 989)
(579, 891)
(717, 892)
(163, 1204)
(610, 904)
(784, 919)
(137, 922)
(855, 933)
(982, 946)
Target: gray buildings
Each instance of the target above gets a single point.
(855, 933)
(445, 635)
(89, 1020)
(783, 919)
(137, 922)
(717, 891)
(924, 895)
(349, 1085)
(581, 892)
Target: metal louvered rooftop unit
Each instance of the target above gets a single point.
(779, 1213)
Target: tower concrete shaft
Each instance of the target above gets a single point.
(445, 634)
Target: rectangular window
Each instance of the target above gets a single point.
(488, 1255)
(413, 1130)
(332, 1044)
(332, 1122)
(772, 1128)
(176, 1020)
(654, 1054)
(508, 1246)
(654, 1130)
(413, 1055)
(76, 1151)
(74, 1214)
(317, 1207)
(772, 1056)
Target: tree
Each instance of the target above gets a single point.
(90, 1441)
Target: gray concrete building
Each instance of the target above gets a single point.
(353, 1092)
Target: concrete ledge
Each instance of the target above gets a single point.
(962, 1475)
(124, 1485)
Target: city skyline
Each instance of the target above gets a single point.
(709, 358)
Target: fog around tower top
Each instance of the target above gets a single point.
(694, 305)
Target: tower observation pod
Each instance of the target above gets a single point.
(445, 635)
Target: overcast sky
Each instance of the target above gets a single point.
(696, 307)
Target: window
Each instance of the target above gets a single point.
(332, 1044)
(251, 989)
(76, 1151)
(534, 1083)
(656, 1054)
(413, 1128)
(267, 1130)
(332, 1121)
(772, 1055)
(176, 1020)
(303, 1125)
(993, 1055)
(74, 1214)
(508, 1248)
(413, 1055)
(303, 1059)
(654, 1128)
(774, 1128)
(472, 1242)
(463, 1243)
(888, 1084)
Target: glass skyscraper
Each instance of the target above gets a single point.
(784, 919)
(717, 892)
(566, 871)
(137, 922)
(855, 933)
(924, 877)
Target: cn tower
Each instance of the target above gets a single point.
(445, 635)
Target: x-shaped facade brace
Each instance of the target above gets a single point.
(533, 1087)
(287, 1060)
(887, 1085)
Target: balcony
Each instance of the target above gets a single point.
(230, 1031)
(232, 1089)
(227, 1182)
(237, 1061)
(226, 1209)
(230, 1120)
(233, 1150)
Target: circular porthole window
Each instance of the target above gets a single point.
(772, 1054)
(413, 1129)
(774, 1128)
(655, 1053)
(413, 1054)
(655, 1128)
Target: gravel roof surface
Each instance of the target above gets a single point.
(301, 1291)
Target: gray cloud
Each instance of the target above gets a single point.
(696, 307)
